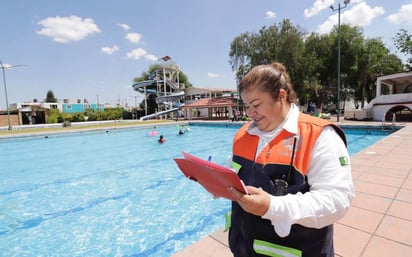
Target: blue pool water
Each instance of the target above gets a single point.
(112, 193)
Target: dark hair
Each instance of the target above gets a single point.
(270, 78)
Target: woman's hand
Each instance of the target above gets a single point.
(256, 202)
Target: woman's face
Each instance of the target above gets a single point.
(263, 109)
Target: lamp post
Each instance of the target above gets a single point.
(346, 2)
(237, 74)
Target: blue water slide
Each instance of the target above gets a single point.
(150, 85)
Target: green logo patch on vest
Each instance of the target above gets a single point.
(344, 160)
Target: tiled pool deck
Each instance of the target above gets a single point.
(379, 223)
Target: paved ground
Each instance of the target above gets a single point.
(379, 223)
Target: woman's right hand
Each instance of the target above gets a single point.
(256, 202)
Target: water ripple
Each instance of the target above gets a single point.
(205, 222)
(36, 221)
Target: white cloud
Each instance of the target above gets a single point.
(124, 26)
(66, 29)
(363, 15)
(110, 50)
(139, 53)
(213, 75)
(318, 6)
(360, 15)
(136, 54)
(404, 15)
(133, 37)
(150, 57)
(270, 15)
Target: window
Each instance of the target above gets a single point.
(408, 89)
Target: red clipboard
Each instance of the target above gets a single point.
(213, 177)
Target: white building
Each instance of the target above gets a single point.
(393, 101)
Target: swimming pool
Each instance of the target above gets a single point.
(112, 193)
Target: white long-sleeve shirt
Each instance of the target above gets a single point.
(330, 180)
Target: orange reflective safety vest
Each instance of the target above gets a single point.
(251, 235)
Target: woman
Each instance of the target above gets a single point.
(296, 168)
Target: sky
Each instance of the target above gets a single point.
(84, 49)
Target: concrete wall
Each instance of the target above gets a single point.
(14, 120)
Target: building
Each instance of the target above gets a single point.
(29, 113)
(210, 103)
(393, 101)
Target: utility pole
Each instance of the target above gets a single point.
(346, 2)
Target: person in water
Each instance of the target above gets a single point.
(161, 139)
(296, 169)
(153, 132)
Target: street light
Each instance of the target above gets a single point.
(346, 2)
(5, 89)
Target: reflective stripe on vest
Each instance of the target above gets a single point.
(274, 250)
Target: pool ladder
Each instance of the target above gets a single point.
(393, 120)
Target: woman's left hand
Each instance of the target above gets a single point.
(256, 202)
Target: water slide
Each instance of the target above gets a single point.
(153, 115)
(165, 98)
(172, 97)
(148, 86)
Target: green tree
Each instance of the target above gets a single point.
(374, 60)
(312, 60)
(281, 42)
(317, 81)
(403, 42)
(55, 116)
(241, 54)
(352, 41)
(50, 97)
(151, 104)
